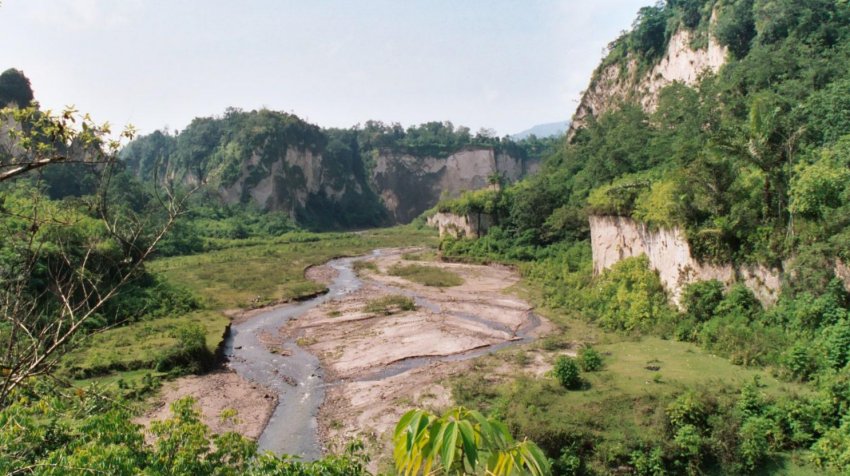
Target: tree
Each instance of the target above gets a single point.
(61, 263)
(462, 441)
(15, 89)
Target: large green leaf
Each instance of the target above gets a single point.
(449, 445)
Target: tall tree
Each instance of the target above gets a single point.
(15, 89)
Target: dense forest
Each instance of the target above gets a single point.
(752, 163)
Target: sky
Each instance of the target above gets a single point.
(504, 65)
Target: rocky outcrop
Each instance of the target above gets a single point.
(842, 272)
(472, 225)
(615, 238)
(617, 82)
(288, 183)
(409, 185)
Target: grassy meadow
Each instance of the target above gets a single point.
(238, 274)
(623, 403)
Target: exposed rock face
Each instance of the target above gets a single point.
(842, 272)
(404, 185)
(410, 185)
(615, 238)
(286, 183)
(616, 83)
(472, 225)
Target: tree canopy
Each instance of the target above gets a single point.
(15, 88)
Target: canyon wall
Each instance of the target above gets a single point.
(617, 82)
(614, 238)
(409, 185)
(472, 225)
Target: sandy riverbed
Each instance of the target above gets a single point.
(356, 347)
(368, 382)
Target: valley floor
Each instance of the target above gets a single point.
(379, 361)
(380, 364)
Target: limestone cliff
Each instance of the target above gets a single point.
(287, 183)
(472, 225)
(614, 238)
(410, 185)
(614, 83)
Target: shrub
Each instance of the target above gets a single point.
(832, 450)
(837, 340)
(189, 354)
(754, 443)
(798, 362)
(388, 305)
(687, 409)
(589, 359)
(629, 296)
(566, 371)
(648, 463)
(701, 299)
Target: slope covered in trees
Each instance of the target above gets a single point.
(753, 163)
(329, 178)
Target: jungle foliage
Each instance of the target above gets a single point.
(753, 164)
(248, 147)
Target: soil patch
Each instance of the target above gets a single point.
(215, 392)
(378, 366)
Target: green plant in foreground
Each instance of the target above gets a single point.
(462, 441)
(566, 371)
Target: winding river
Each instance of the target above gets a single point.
(297, 378)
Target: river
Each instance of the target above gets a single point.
(297, 377)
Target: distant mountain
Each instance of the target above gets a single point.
(543, 130)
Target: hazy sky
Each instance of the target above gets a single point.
(501, 64)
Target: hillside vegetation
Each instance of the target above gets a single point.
(753, 163)
(319, 178)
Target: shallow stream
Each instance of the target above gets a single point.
(297, 378)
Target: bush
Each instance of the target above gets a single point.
(629, 296)
(190, 354)
(589, 359)
(701, 299)
(566, 371)
(687, 409)
(389, 305)
(754, 442)
(837, 341)
(798, 362)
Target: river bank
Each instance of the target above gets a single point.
(378, 366)
(342, 372)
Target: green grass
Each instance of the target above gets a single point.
(138, 345)
(680, 364)
(427, 275)
(621, 404)
(240, 274)
(273, 270)
(362, 265)
(388, 305)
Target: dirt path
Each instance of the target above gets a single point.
(379, 366)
